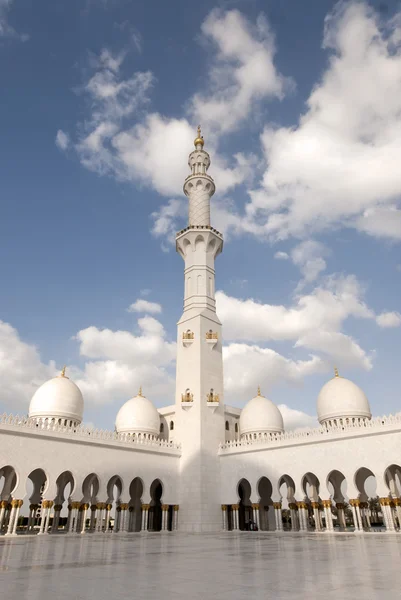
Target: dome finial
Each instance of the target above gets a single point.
(140, 391)
(199, 139)
(62, 374)
(259, 392)
(336, 372)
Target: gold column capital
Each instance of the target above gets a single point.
(340, 506)
(224, 507)
(355, 502)
(145, 506)
(255, 506)
(176, 507)
(165, 507)
(235, 506)
(326, 503)
(58, 507)
(108, 506)
(3, 504)
(277, 505)
(293, 506)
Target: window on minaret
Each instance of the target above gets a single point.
(171, 425)
(161, 427)
(227, 426)
(236, 428)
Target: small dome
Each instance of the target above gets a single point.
(138, 415)
(58, 398)
(341, 398)
(260, 415)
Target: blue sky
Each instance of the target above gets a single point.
(300, 106)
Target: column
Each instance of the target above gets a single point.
(294, 516)
(43, 514)
(341, 515)
(302, 512)
(47, 522)
(356, 514)
(56, 517)
(397, 502)
(74, 517)
(18, 508)
(130, 519)
(255, 510)
(145, 511)
(3, 508)
(279, 520)
(235, 517)
(175, 517)
(92, 522)
(328, 515)
(224, 516)
(165, 508)
(99, 517)
(107, 520)
(123, 524)
(83, 510)
(69, 518)
(315, 506)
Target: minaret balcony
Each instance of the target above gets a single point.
(213, 401)
(187, 399)
(188, 338)
(211, 339)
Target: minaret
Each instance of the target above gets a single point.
(199, 382)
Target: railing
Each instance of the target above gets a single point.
(314, 434)
(83, 432)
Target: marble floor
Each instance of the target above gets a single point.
(230, 566)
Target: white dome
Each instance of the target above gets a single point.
(138, 415)
(58, 398)
(341, 398)
(260, 415)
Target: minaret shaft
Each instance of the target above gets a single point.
(199, 378)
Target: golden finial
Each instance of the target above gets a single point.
(259, 392)
(140, 391)
(63, 372)
(199, 139)
(336, 372)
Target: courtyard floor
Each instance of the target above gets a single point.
(230, 566)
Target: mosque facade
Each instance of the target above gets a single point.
(199, 465)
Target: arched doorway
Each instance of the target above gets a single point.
(90, 490)
(155, 508)
(135, 504)
(366, 484)
(114, 491)
(286, 489)
(36, 486)
(311, 487)
(245, 505)
(65, 487)
(337, 488)
(266, 512)
(8, 482)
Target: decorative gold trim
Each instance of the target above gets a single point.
(199, 139)
(211, 335)
(293, 506)
(277, 505)
(145, 506)
(108, 506)
(176, 507)
(355, 502)
(235, 506)
(336, 372)
(326, 503)
(165, 507)
(224, 507)
(255, 506)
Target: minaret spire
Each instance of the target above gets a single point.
(199, 186)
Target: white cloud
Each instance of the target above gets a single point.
(313, 322)
(340, 164)
(308, 256)
(281, 255)
(62, 140)
(242, 72)
(296, 419)
(6, 30)
(389, 319)
(144, 306)
(165, 221)
(21, 369)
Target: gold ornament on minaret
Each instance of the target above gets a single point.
(336, 372)
(199, 139)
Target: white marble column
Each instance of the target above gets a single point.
(165, 508)
(302, 512)
(279, 520)
(99, 517)
(56, 517)
(18, 508)
(397, 502)
(107, 519)
(45, 509)
(341, 515)
(145, 511)
(175, 517)
(328, 515)
(224, 516)
(235, 517)
(92, 522)
(315, 506)
(356, 514)
(255, 510)
(3, 508)
(83, 510)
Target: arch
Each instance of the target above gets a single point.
(135, 504)
(337, 486)
(90, 489)
(290, 487)
(227, 426)
(171, 425)
(199, 285)
(266, 512)
(211, 245)
(392, 478)
(8, 482)
(155, 509)
(36, 485)
(199, 242)
(365, 482)
(244, 491)
(311, 485)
